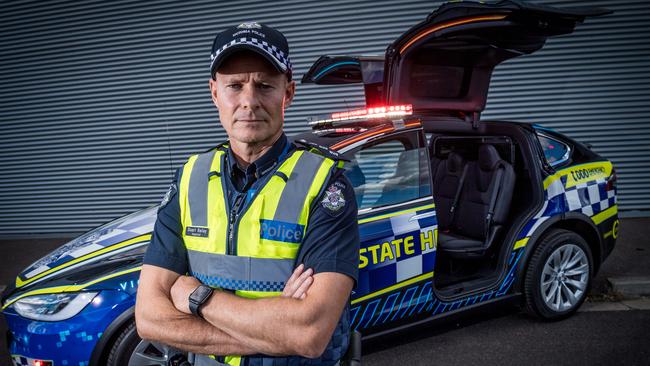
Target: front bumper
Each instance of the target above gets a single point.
(69, 342)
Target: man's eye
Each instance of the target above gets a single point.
(234, 86)
(265, 86)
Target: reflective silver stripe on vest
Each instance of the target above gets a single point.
(203, 360)
(296, 189)
(197, 193)
(240, 273)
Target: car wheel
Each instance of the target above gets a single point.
(129, 349)
(558, 276)
(123, 346)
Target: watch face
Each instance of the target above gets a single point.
(200, 294)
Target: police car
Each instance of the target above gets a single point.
(455, 212)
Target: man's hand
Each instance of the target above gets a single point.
(296, 287)
(299, 282)
(284, 325)
(181, 291)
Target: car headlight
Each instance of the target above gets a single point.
(53, 307)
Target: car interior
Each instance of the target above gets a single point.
(479, 185)
(481, 182)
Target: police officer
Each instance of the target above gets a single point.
(255, 249)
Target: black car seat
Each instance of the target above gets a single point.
(482, 208)
(447, 179)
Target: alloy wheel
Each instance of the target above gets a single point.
(565, 277)
(152, 354)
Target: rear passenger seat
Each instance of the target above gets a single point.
(446, 181)
(484, 198)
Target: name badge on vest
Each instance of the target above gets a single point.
(201, 232)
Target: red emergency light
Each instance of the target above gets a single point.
(382, 112)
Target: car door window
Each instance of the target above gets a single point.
(389, 173)
(555, 151)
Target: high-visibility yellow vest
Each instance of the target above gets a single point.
(253, 253)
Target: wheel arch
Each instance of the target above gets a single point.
(572, 221)
(99, 352)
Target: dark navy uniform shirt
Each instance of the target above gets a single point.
(331, 240)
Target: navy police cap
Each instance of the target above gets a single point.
(256, 37)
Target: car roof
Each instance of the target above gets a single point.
(334, 139)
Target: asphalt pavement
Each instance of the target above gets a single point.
(503, 337)
(612, 333)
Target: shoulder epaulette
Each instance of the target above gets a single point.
(319, 149)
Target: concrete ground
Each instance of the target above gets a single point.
(504, 337)
(630, 259)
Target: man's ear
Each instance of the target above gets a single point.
(289, 93)
(213, 91)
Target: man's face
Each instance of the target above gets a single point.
(251, 96)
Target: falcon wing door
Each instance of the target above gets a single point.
(445, 62)
(333, 70)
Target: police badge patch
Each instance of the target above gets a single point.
(168, 195)
(333, 199)
(249, 25)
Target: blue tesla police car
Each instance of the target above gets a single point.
(455, 212)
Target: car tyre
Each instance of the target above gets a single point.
(129, 349)
(558, 276)
(123, 346)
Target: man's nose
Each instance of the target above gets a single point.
(250, 98)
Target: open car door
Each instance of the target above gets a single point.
(332, 70)
(444, 63)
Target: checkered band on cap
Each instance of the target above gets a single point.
(279, 56)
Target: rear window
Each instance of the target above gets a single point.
(555, 151)
(435, 81)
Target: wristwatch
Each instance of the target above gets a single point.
(198, 297)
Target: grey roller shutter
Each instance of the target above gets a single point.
(101, 101)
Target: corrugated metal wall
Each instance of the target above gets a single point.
(100, 100)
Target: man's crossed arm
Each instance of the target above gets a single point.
(300, 322)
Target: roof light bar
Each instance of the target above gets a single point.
(387, 112)
(341, 130)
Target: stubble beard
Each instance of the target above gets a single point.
(254, 137)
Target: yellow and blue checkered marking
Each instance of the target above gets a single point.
(416, 296)
(567, 191)
(395, 248)
(239, 285)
